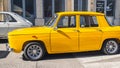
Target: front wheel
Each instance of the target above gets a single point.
(110, 47)
(34, 51)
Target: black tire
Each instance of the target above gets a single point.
(110, 47)
(34, 51)
(24, 57)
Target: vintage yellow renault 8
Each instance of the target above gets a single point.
(67, 32)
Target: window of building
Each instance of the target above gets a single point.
(47, 8)
(17, 7)
(80, 5)
(67, 21)
(59, 5)
(25, 8)
(100, 4)
(110, 7)
(53, 6)
(105, 6)
(88, 21)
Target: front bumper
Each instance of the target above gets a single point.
(8, 47)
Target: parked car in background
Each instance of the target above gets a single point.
(67, 32)
(10, 21)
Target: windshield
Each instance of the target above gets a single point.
(51, 21)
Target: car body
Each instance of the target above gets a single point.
(67, 32)
(10, 21)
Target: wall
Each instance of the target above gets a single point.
(117, 13)
(39, 20)
(1, 5)
(69, 5)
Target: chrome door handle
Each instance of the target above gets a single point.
(99, 30)
(76, 31)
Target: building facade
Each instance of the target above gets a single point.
(39, 11)
(109, 7)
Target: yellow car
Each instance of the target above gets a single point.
(67, 32)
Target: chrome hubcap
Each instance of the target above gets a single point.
(34, 51)
(111, 46)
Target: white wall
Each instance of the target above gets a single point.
(117, 13)
(39, 13)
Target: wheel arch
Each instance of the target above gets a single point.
(38, 41)
(116, 39)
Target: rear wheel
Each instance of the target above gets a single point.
(34, 51)
(110, 47)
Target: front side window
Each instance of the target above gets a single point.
(67, 21)
(88, 21)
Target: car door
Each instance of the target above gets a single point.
(90, 33)
(64, 38)
(3, 25)
(12, 23)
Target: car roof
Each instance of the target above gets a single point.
(80, 13)
(7, 12)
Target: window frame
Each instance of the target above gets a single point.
(7, 18)
(89, 26)
(68, 20)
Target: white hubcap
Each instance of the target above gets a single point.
(111, 46)
(34, 51)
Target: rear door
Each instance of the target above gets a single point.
(3, 25)
(12, 22)
(90, 33)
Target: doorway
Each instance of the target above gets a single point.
(80, 5)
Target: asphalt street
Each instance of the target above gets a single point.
(71, 60)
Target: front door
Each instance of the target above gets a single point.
(65, 37)
(90, 34)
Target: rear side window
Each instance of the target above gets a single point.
(10, 18)
(6, 18)
(88, 21)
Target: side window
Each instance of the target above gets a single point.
(88, 21)
(67, 21)
(2, 17)
(10, 18)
